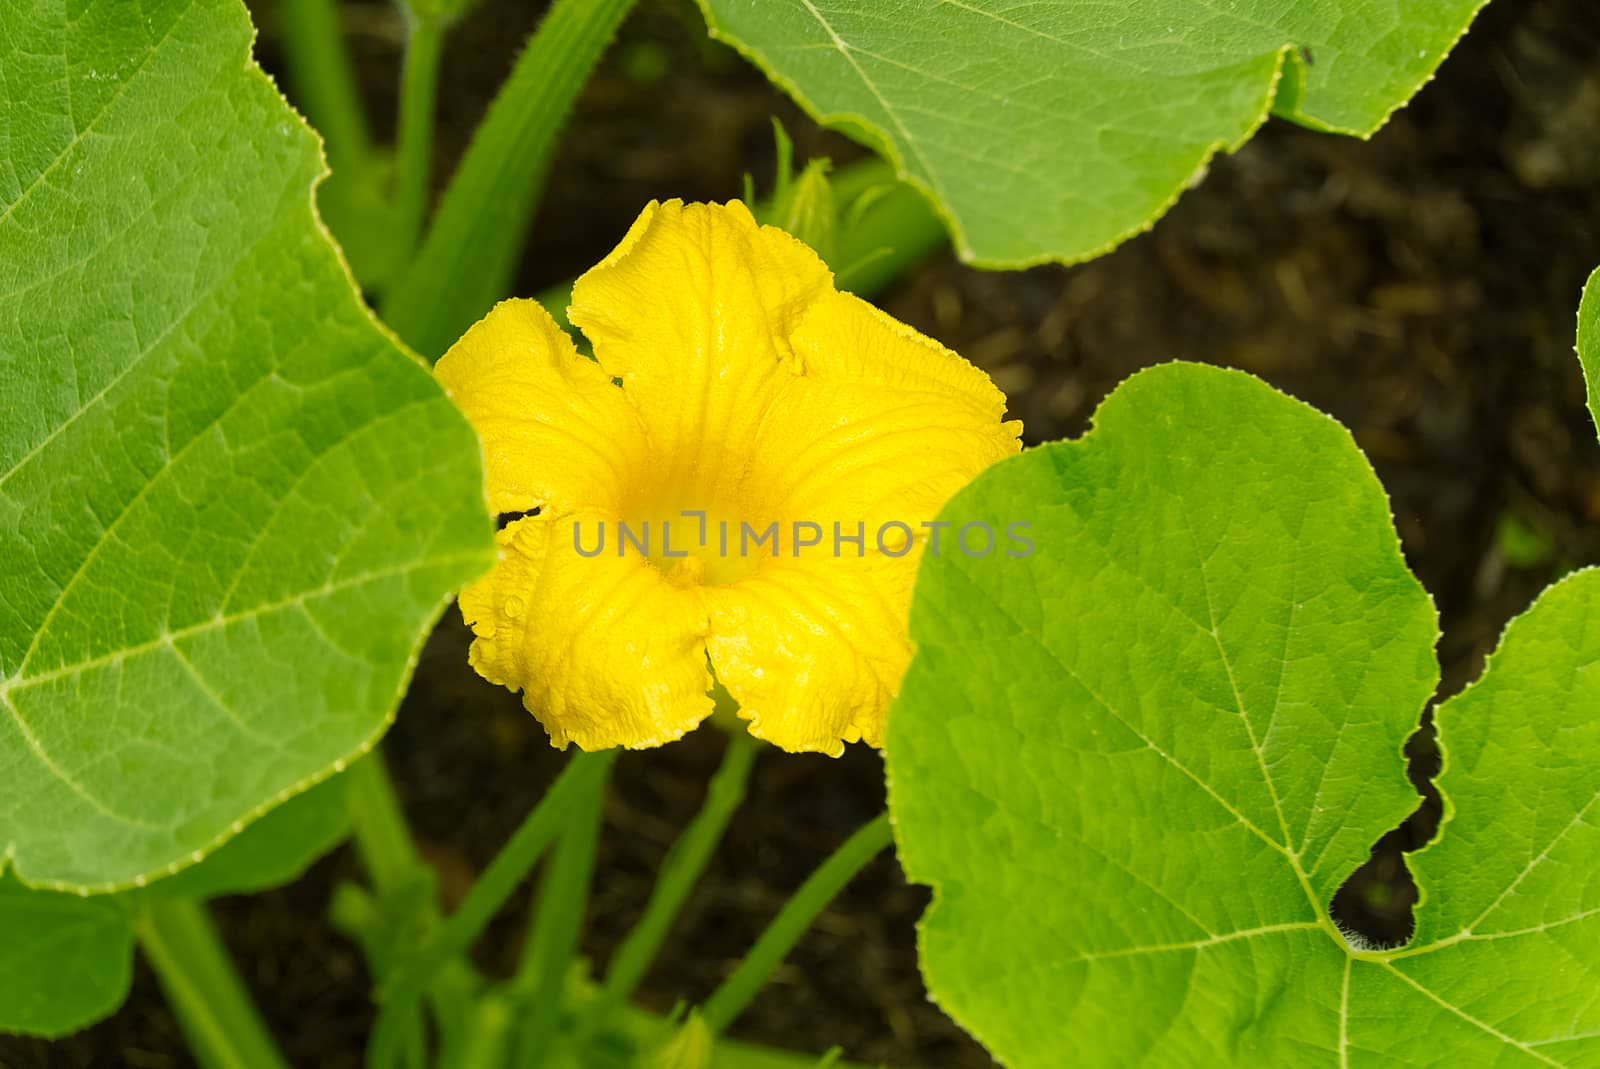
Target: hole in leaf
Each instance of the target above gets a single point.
(1375, 903)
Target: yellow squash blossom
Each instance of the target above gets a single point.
(755, 399)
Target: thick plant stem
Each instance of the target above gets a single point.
(679, 873)
(730, 999)
(469, 255)
(324, 79)
(217, 1015)
(508, 869)
(419, 83)
(559, 909)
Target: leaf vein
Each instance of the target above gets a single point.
(844, 50)
(68, 781)
(1577, 819)
(29, 682)
(1474, 1021)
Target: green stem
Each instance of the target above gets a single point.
(382, 837)
(508, 869)
(679, 873)
(552, 941)
(736, 992)
(389, 855)
(324, 78)
(468, 259)
(217, 1015)
(486, 1042)
(419, 83)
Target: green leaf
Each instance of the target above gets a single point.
(1055, 130)
(273, 851)
(230, 505)
(1136, 764)
(1589, 342)
(65, 960)
(1508, 929)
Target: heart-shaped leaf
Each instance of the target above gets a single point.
(1136, 764)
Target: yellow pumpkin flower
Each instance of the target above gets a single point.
(758, 408)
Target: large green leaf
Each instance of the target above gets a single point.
(1136, 764)
(1055, 129)
(229, 503)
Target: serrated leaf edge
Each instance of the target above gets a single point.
(880, 142)
(144, 879)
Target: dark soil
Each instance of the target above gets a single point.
(1420, 287)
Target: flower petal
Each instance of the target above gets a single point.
(605, 650)
(693, 311)
(556, 430)
(813, 648)
(883, 424)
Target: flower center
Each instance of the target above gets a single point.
(697, 536)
